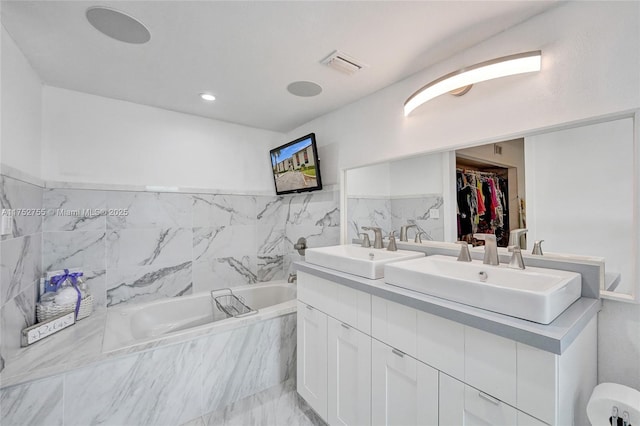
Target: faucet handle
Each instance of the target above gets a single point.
(537, 248)
(464, 255)
(366, 242)
(418, 238)
(392, 242)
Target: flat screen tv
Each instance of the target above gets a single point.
(296, 167)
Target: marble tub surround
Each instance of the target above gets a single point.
(172, 244)
(90, 341)
(206, 374)
(17, 194)
(314, 216)
(390, 213)
(20, 262)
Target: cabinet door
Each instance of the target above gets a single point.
(312, 357)
(450, 401)
(349, 375)
(404, 390)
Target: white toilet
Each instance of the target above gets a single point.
(611, 403)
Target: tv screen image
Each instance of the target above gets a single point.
(296, 167)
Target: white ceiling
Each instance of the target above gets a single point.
(246, 53)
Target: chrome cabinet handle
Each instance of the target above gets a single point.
(488, 398)
(397, 352)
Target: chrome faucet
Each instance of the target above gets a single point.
(377, 243)
(490, 248)
(403, 231)
(515, 236)
(392, 242)
(418, 238)
(516, 261)
(366, 242)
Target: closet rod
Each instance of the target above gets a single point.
(477, 172)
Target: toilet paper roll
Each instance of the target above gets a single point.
(605, 396)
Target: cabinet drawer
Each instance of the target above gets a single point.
(537, 372)
(482, 409)
(344, 303)
(316, 292)
(394, 324)
(353, 307)
(441, 344)
(490, 364)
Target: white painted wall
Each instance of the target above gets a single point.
(91, 139)
(21, 128)
(587, 70)
(590, 67)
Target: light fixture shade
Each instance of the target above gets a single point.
(519, 63)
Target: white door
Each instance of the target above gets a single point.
(404, 390)
(349, 375)
(312, 357)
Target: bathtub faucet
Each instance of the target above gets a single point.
(293, 278)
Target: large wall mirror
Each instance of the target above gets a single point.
(574, 187)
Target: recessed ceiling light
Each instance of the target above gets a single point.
(207, 97)
(304, 88)
(118, 25)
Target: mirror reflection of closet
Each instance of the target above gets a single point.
(490, 191)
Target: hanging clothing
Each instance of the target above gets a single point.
(482, 204)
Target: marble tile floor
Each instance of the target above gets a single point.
(277, 406)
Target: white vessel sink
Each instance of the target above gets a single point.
(534, 294)
(353, 259)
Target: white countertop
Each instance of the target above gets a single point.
(555, 337)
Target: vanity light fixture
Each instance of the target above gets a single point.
(207, 97)
(459, 82)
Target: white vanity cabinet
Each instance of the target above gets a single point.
(404, 391)
(349, 375)
(312, 357)
(386, 363)
(343, 395)
(461, 404)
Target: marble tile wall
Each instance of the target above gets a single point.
(391, 213)
(171, 244)
(20, 261)
(165, 386)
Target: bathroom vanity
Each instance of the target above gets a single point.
(373, 353)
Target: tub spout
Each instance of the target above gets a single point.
(293, 278)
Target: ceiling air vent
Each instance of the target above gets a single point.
(344, 63)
